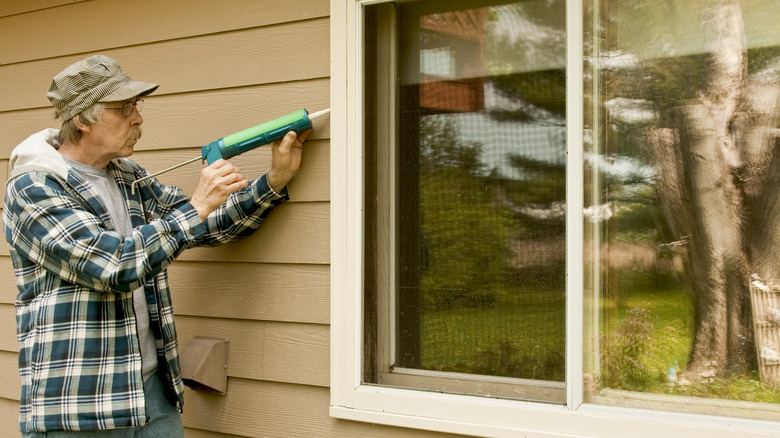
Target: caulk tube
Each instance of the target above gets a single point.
(248, 139)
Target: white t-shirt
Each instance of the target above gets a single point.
(110, 194)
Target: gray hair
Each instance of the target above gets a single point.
(91, 116)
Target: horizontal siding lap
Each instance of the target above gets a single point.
(252, 291)
(9, 417)
(197, 433)
(292, 233)
(93, 25)
(297, 353)
(8, 328)
(246, 54)
(3, 180)
(9, 374)
(13, 7)
(8, 287)
(255, 408)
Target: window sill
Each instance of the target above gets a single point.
(687, 405)
(480, 385)
(501, 418)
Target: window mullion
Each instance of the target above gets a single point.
(574, 203)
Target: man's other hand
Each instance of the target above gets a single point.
(217, 181)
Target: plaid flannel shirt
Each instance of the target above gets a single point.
(79, 358)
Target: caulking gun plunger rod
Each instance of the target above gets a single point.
(248, 139)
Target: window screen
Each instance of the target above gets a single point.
(464, 209)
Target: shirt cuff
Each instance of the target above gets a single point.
(192, 225)
(264, 189)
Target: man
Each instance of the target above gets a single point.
(98, 351)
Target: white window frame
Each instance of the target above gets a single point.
(463, 414)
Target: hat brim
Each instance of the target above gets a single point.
(129, 91)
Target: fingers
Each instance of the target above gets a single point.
(225, 169)
(285, 159)
(293, 140)
(217, 182)
(303, 136)
(224, 176)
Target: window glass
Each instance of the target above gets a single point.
(683, 215)
(465, 197)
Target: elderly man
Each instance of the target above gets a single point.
(98, 351)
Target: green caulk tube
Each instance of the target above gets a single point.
(248, 139)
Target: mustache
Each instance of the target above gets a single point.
(136, 133)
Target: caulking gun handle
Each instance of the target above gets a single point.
(213, 151)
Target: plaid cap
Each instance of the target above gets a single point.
(95, 79)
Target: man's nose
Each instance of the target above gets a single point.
(136, 117)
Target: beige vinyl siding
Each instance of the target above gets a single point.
(93, 25)
(9, 410)
(12, 7)
(223, 67)
(9, 374)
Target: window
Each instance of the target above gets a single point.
(683, 130)
(525, 239)
(465, 210)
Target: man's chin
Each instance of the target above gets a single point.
(128, 149)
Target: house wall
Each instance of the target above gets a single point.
(223, 66)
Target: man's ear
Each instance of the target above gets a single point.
(81, 126)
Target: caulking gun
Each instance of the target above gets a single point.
(248, 139)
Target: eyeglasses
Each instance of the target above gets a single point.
(127, 108)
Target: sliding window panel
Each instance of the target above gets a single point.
(684, 202)
(464, 197)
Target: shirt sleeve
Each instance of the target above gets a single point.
(55, 228)
(242, 214)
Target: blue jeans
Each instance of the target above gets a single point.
(164, 419)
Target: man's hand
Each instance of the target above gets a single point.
(285, 159)
(216, 183)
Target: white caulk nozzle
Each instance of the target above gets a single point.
(319, 113)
